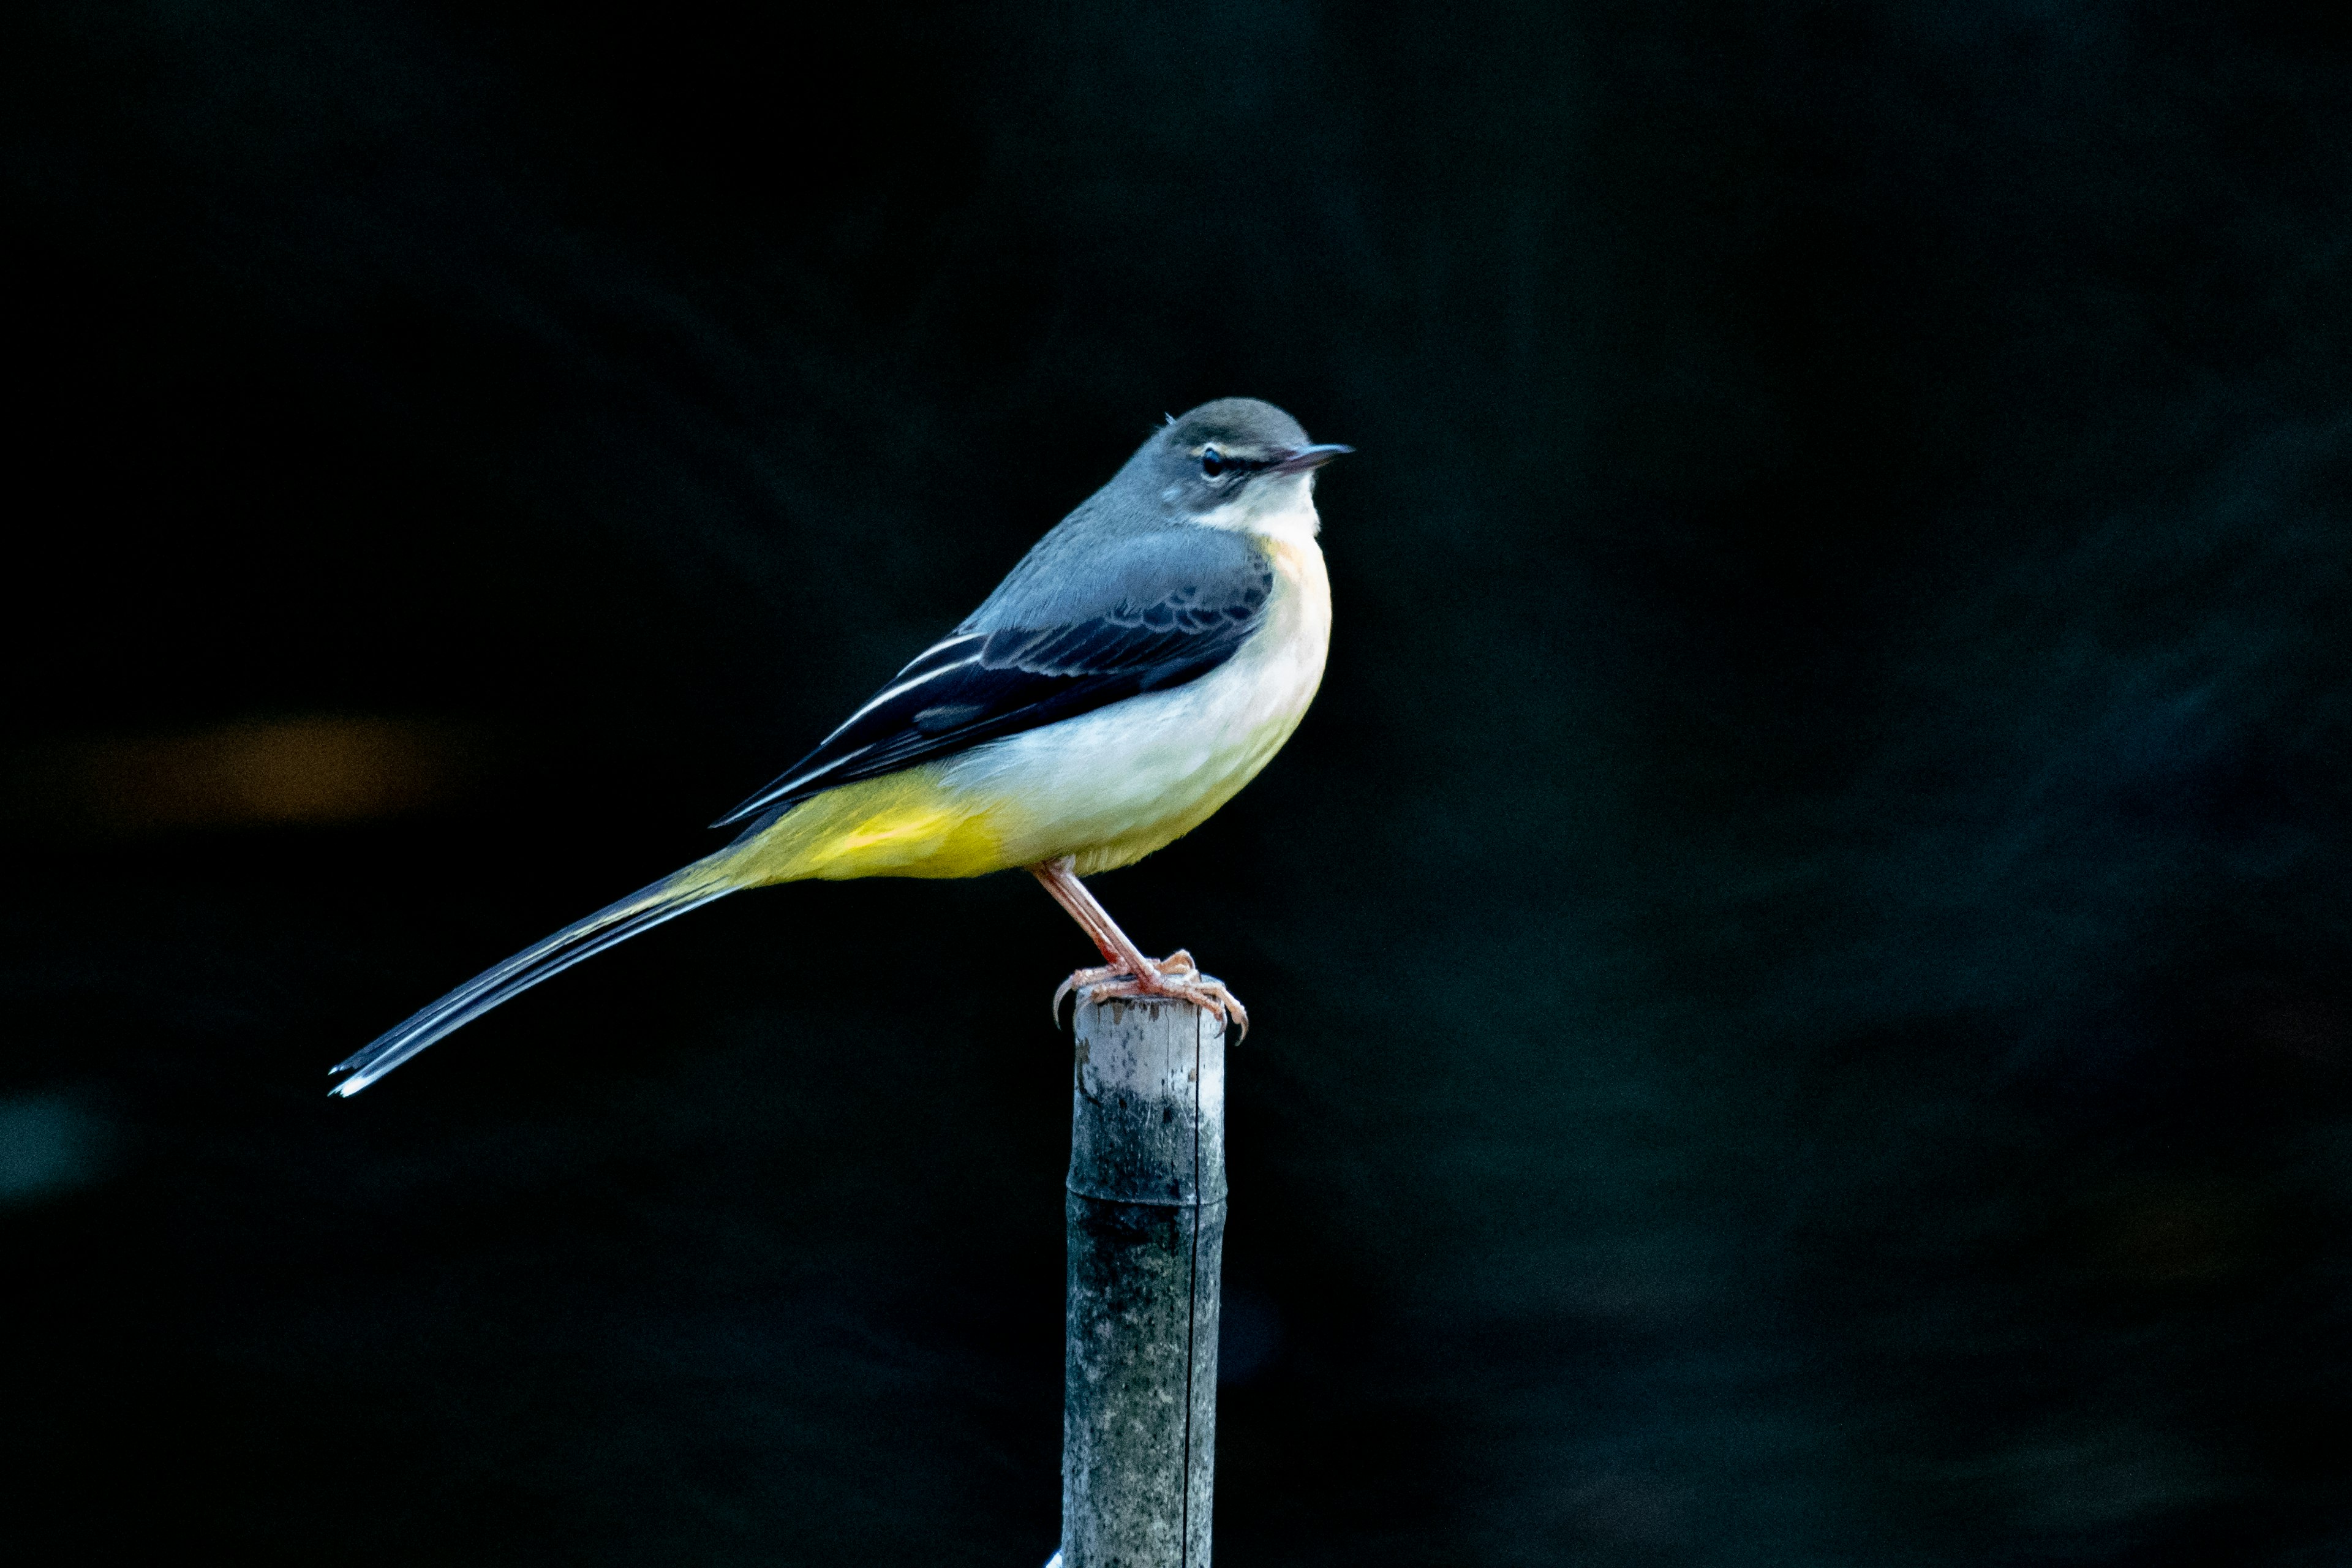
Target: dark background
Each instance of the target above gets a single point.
(1799, 962)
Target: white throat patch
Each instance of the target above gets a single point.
(1283, 510)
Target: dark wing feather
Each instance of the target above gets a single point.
(1153, 629)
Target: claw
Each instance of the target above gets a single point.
(1128, 974)
(1176, 975)
(1084, 980)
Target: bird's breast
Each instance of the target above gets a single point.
(1111, 786)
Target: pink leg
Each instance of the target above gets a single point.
(1126, 972)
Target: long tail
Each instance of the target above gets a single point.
(666, 900)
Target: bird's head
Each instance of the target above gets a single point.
(1236, 463)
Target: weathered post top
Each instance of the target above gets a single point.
(1148, 1115)
(1147, 1217)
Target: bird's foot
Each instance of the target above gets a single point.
(1175, 975)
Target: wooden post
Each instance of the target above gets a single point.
(1147, 1225)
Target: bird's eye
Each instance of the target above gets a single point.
(1213, 462)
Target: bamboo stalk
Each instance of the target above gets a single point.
(1147, 1222)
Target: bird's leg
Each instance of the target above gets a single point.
(1126, 961)
(1126, 972)
(1057, 878)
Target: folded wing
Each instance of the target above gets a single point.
(1150, 614)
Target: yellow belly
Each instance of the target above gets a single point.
(1108, 787)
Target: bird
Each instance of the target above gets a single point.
(1138, 666)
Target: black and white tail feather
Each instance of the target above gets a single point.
(697, 885)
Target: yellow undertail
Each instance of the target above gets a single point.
(901, 825)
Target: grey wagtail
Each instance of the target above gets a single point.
(1140, 666)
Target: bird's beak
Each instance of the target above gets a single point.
(1300, 460)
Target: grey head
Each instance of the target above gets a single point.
(1176, 519)
(1224, 460)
